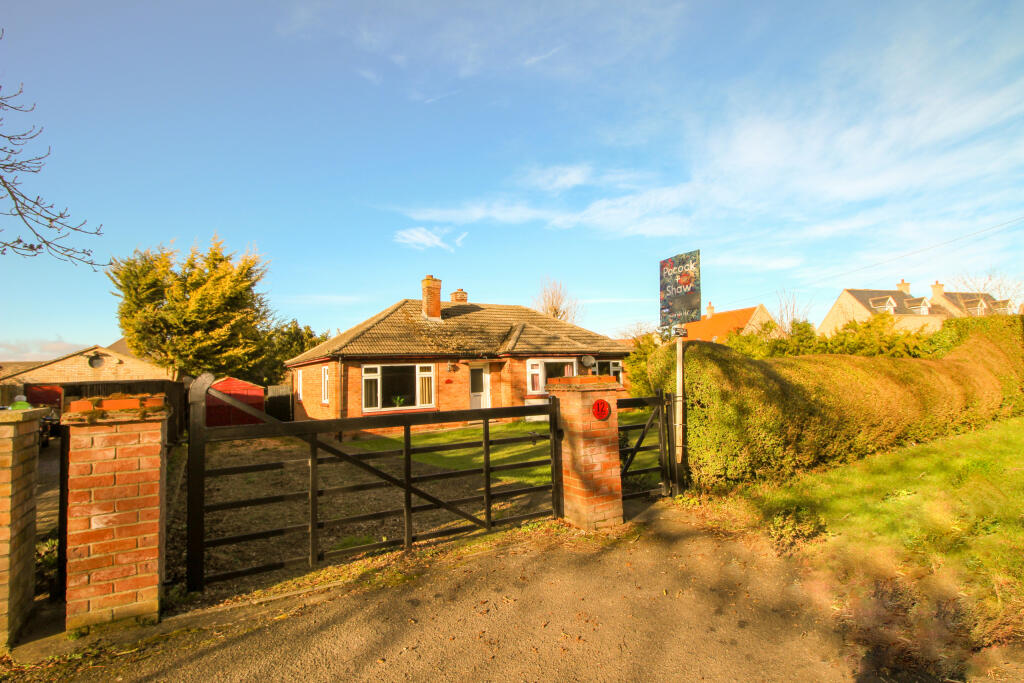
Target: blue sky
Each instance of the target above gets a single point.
(360, 146)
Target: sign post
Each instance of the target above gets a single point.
(680, 304)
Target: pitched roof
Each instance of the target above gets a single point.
(14, 367)
(720, 324)
(465, 329)
(121, 347)
(866, 296)
(968, 300)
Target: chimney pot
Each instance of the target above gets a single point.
(459, 296)
(431, 298)
(903, 286)
(711, 309)
(938, 289)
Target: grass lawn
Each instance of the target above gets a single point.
(500, 454)
(944, 519)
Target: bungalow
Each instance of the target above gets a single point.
(430, 355)
(715, 327)
(911, 313)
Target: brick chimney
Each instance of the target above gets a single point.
(903, 286)
(711, 309)
(431, 298)
(938, 290)
(459, 296)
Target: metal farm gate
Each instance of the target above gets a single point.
(323, 453)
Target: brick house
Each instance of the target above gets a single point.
(42, 380)
(911, 313)
(716, 326)
(427, 355)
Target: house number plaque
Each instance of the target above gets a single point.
(601, 410)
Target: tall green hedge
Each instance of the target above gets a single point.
(754, 419)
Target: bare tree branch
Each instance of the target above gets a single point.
(39, 227)
(999, 285)
(790, 310)
(553, 300)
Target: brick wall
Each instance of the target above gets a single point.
(116, 535)
(19, 455)
(591, 474)
(76, 369)
(312, 407)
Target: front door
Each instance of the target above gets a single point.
(477, 394)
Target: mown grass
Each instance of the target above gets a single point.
(945, 520)
(500, 454)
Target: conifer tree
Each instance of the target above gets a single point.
(200, 315)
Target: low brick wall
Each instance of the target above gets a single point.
(19, 457)
(116, 537)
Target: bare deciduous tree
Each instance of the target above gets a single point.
(790, 310)
(999, 285)
(38, 226)
(553, 300)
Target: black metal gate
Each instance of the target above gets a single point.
(658, 428)
(321, 453)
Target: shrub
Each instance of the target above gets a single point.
(752, 419)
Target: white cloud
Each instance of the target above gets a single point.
(423, 238)
(36, 349)
(556, 179)
(322, 299)
(536, 59)
(458, 240)
(369, 75)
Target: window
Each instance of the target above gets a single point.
(540, 370)
(391, 387)
(298, 384)
(611, 367)
(325, 387)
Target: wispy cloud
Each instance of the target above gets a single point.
(536, 59)
(424, 238)
(369, 75)
(556, 179)
(460, 238)
(36, 349)
(322, 299)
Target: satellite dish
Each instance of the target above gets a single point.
(588, 361)
(96, 361)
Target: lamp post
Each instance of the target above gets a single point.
(681, 464)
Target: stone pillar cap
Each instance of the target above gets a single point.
(583, 383)
(23, 415)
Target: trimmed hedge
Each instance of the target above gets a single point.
(766, 419)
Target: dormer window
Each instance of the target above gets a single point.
(883, 304)
(1002, 306)
(976, 306)
(918, 306)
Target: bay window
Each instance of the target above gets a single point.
(391, 387)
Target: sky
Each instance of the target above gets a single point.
(358, 146)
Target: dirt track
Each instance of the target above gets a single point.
(670, 603)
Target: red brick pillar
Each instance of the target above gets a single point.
(116, 475)
(19, 455)
(591, 475)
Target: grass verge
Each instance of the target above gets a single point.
(924, 545)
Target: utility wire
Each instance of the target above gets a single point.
(889, 260)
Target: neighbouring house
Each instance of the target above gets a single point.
(50, 382)
(912, 313)
(715, 326)
(433, 355)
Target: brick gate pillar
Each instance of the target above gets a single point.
(19, 456)
(116, 538)
(591, 474)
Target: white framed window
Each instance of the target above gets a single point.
(298, 385)
(540, 370)
(398, 387)
(610, 367)
(325, 387)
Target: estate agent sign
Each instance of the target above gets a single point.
(680, 289)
